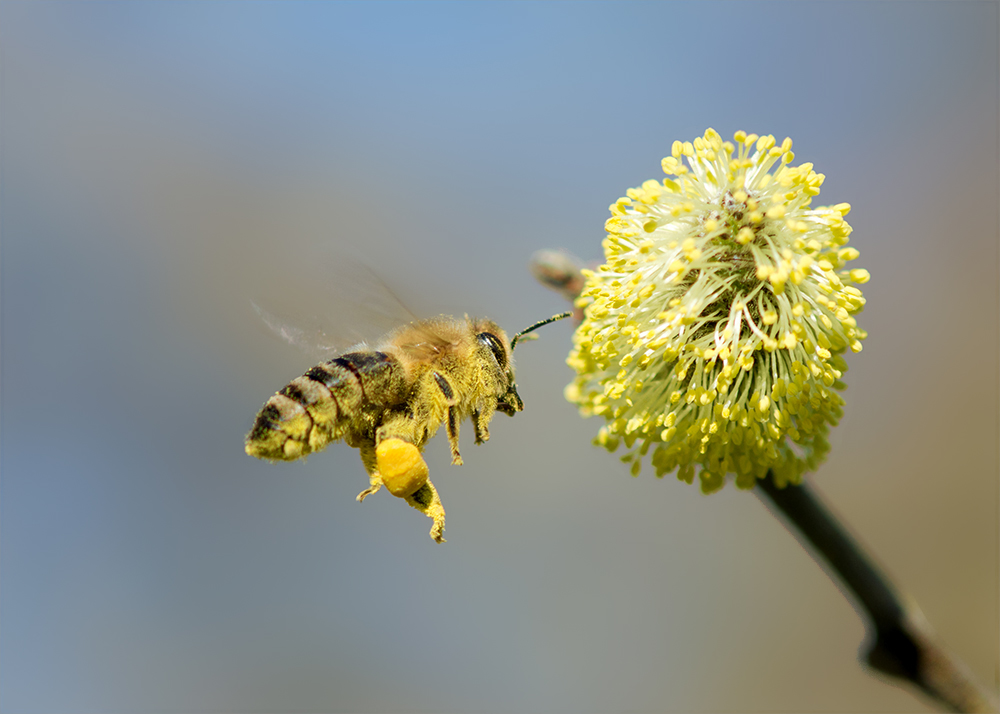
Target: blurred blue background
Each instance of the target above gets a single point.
(164, 164)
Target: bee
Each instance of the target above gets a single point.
(560, 271)
(387, 402)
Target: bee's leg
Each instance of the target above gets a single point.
(426, 500)
(456, 458)
(446, 398)
(482, 420)
(404, 472)
(401, 462)
(482, 427)
(368, 458)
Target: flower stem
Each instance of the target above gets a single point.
(902, 643)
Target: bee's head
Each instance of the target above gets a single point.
(509, 401)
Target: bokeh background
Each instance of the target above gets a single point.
(166, 166)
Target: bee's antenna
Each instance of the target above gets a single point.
(526, 330)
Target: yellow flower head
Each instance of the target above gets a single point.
(715, 329)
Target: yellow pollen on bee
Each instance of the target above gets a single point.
(401, 467)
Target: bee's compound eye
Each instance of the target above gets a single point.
(496, 346)
(402, 468)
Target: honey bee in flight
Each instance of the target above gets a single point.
(389, 401)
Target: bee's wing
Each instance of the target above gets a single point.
(323, 310)
(314, 341)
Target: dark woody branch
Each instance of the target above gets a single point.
(900, 642)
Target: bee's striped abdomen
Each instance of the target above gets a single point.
(322, 405)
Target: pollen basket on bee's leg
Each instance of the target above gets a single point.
(402, 468)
